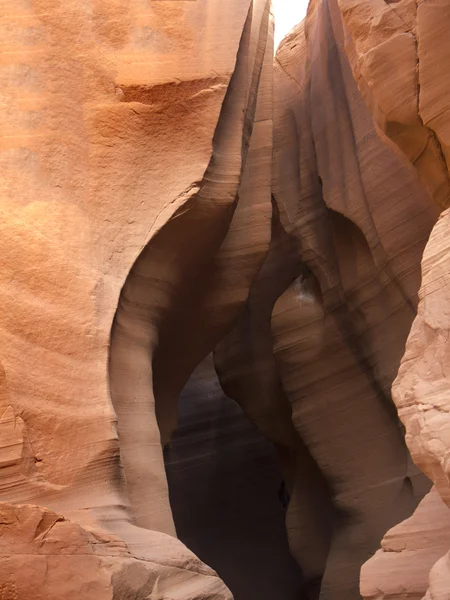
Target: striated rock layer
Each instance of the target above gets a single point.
(356, 218)
(398, 53)
(131, 135)
(400, 569)
(189, 232)
(226, 493)
(47, 557)
(414, 560)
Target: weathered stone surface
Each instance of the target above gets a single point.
(224, 486)
(138, 236)
(47, 557)
(193, 276)
(421, 388)
(420, 393)
(125, 127)
(398, 52)
(400, 570)
(248, 372)
(358, 218)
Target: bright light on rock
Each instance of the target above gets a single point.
(287, 14)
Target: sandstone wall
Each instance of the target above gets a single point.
(399, 53)
(225, 485)
(414, 555)
(358, 218)
(168, 192)
(124, 127)
(421, 390)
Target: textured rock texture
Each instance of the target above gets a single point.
(129, 130)
(415, 555)
(401, 568)
(357, 219)
(47, 557)
(421, 388)
(398, 52)
(210, 265)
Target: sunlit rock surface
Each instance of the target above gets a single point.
(400, 569)
(124, 127)
(421, 388)
(398, 51)
(211, 260)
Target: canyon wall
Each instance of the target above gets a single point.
(210, 265)
(399, 53)
(359, 217)
(128, 131)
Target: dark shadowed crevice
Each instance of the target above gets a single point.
(248, 373)
(227, 493)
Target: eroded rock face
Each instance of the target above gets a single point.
(140, 236)
(419, 565)
(183, 293)
(226, 493)
(47, 557)
(400, 570)
(359, 219)
(398, 51)
(125, 127)
(421, 388)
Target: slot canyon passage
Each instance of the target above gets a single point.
(225, 301)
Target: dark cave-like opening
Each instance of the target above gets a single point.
(227, 495)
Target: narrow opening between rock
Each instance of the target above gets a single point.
(227, 493)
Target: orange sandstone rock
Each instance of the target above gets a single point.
(398, 51)
(125, 127)
(400, 569)
(138, 235)
(420, 390)
(359, 218)
(47, 557)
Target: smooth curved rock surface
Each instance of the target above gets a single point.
(139, 235)
(399, 51)
(193, 276)
(123, 124)
(225, 485)
(359, 218)
(248, 373)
